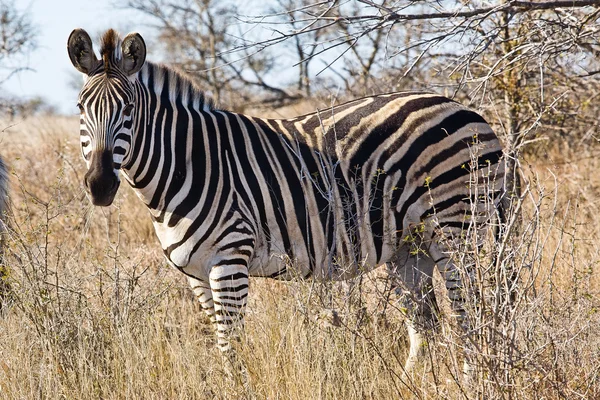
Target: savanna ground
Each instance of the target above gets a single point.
(94, 312)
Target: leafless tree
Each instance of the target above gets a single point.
(17, 38)
(527, 62)
(533, 65)
(197, 34)
(303, 47)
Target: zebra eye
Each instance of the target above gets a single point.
(127, 110)
(80, 108)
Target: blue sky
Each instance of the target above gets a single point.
(52, 70)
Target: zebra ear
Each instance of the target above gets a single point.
(134, 53)
(81, 51)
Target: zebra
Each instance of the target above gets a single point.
(325, 195)
(4, 190)
(5, 288)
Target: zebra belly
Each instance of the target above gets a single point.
(330, 266)
(324, 250)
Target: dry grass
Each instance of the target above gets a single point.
(95, 313)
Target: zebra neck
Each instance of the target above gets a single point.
(175, 161)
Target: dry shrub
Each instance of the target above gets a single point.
(95, 313)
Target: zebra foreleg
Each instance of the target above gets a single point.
(415, 286)
(229, 287)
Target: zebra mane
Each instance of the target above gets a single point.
(110, 49)
(182, 82)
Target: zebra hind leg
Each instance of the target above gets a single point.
(203, 293)
(460, 289)
(413, 274)
(225, 332)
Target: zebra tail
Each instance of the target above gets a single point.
(504, 210)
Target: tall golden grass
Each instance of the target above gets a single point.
(94, 312)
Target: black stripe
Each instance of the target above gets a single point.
(232, 261)
(234, 298)
(227, 313)
(445, 204)
(236, 276)
(236, 245)
(233, 229)
(231, 289)
(282, 271)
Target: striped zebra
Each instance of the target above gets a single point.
(4, 189)
(326, 195)
(4, 273)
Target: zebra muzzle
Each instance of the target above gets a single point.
(101, 182)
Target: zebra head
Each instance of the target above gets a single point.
(106, 103)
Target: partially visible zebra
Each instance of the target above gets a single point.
(4, 189)
(4, 182)
(328, 194)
